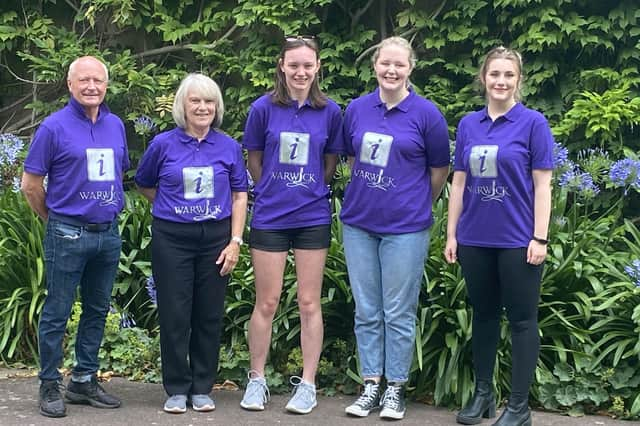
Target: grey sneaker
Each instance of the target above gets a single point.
(256, 394)
(368, 400)
(304, 396)
(202, 402)
(392, 403)
(176, 404)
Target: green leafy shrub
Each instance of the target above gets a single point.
(589, 310)
(22, 277)
(129, 352)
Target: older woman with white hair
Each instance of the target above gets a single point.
(196, 179)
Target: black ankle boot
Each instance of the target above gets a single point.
(516, 413)
(482, 405)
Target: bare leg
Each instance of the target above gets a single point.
(268, 268)
(310, 271)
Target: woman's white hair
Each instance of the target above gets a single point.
(202, 86)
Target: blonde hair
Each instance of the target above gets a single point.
(200, 85)
(395, 41)
(501, 52)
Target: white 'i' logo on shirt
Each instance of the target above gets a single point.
(375, 149)
(483, 161)
(198, 182)
(100, 164)
(294, 148)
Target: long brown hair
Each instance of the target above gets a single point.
(280, 93)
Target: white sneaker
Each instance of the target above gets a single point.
(256, 394)
(304, 396)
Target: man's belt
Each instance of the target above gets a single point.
(89, 227)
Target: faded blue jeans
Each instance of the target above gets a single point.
(385, 271)
(74, 256)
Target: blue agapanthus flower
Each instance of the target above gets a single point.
(560, 155)
(578, 181)
(10, 148)
(151, 290)
(144, 125)
(633, 271)
(625, 172)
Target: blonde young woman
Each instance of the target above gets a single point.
(499, 211)
(398, 146)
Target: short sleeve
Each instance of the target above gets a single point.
(238, 174)
(39, 157)
(458, 158)
(541, 145)
(149, 167)
(347, 129)
(335, 145)
(126, 164)
(254, 129)
(437, 142)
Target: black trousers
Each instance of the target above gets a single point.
(190, 294)
(498, 278)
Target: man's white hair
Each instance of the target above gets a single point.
(73, 65)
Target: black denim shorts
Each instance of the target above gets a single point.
(310, 238)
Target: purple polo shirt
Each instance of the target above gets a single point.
(291, 192)
(194, 180)
(393, 150)
(84, 162)
(498, 157)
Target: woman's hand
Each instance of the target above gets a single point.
(536, 252)
(451, 250)
(229, 257)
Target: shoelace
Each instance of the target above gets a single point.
(368, 395)
(258, 387)
(52, 389)
(391, 397)
(301, 389)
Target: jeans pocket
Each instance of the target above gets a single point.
(66, 231)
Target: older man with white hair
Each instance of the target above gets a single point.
(82, 149)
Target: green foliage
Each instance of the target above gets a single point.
(234, 363)
(129, 352)
(589, 311)
(584, 391)
(330, 376)
(21, 278)
(603, 116)
(135, 260)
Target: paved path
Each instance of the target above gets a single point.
(142, 405)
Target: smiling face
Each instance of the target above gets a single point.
(393, 68)
(501, 80)
(299, 66)
(87, 82)
(199, 113)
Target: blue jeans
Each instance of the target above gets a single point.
(75, 256)
(385, 271)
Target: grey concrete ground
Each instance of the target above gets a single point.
(142, 405)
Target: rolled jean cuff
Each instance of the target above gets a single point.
(81, 378)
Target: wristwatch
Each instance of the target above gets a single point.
(237, 239)
(540, 240)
